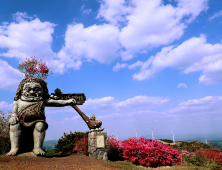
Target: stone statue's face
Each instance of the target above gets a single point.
(32, 92)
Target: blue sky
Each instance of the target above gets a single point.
(142, 64)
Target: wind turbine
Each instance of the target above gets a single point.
(117, 135)
(152, 134)
(173, 136)
(136, 134)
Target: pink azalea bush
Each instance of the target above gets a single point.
(114, 143)
(81, 145)
(150, 153)
(114, 148)
(209, 158)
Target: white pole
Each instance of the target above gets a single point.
(152, 134)
(117, 135)
(136, 133)
(206, 141)
(173, 137)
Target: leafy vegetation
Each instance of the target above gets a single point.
(190, 146)
(166, 140)
(66, 143)
(58, 91)
(5, 144)
(215, 146)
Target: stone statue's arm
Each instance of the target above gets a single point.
(14, 118)
(59, 103)
(15, 108)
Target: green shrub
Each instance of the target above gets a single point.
(5, 144)
(66, 143)
(166, 140)
(81, 146)
(58, 91)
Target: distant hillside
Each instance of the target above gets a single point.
(50, 144)
(215, 146)
(188, 137)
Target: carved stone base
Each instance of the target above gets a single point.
(99, 153)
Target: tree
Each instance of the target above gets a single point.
(30, 68)
(4, 132)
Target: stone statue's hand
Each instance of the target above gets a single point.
(71, 101)
(13, 120)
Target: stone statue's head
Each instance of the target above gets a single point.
(92, 117)
(32, 89)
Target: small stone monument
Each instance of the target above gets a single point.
(97, 142)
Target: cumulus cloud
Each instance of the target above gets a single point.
(102, 104)
(119, 66)
(218, 14)
(10, 77)
(207, 105)
(135, 103)
(201, 56)
(137, 64)
(139, 102)
(146, 23)
(5, 105)
(98, 42)
(182, 85)
(26, 38)
(114, 11)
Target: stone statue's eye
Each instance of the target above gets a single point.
(27, 88)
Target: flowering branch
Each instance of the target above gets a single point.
(30, 68)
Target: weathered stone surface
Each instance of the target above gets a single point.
(27, 124)
(99, 153)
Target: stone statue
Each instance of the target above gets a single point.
(92, 117)
(29, 115)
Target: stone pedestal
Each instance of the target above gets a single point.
(94, 151)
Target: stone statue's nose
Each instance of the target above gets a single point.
(31, 91)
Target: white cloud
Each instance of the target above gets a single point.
(114, 11)
(218, 14)
(119, 66)
(98, 42)
(137, 64)
(102, 104)
(5, 105)
(141, 102)
(137, 102)
(182, 85)
(207, 105)
(10, 77)
(146, 23)
(26, 38)
(192, 55)
(86, 11)
(152, 24)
